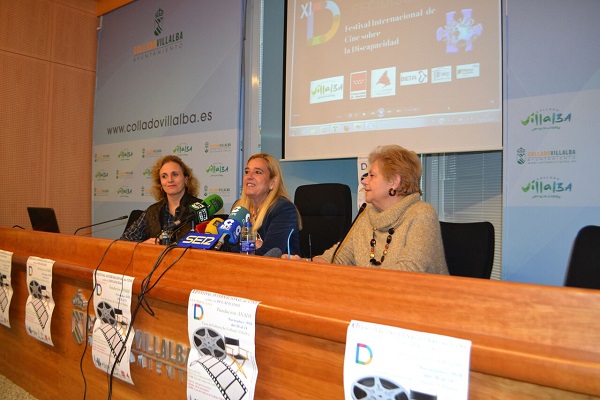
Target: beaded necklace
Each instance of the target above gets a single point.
(373, 261)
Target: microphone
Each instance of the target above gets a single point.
(199, 211)
(214, 202)
(274, 252)
(360, 210)
(201, 227)
(100, 223)
(231, 228)
(213, 226)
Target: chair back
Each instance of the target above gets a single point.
(469, 248)
(133, 216)
(584, 263)
(326, 212)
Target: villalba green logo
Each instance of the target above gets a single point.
(548, 118)
(101, 175)
(547, 187)
(182, 149)
(125, 154)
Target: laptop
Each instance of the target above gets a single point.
(43, 219)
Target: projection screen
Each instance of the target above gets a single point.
(424, 74)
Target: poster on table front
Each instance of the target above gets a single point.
(222, 363)
(112, 335)
(6, 290)
(385, 362)
(40, 303)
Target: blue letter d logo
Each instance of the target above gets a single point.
(364, 355)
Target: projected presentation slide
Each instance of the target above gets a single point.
(369, 66)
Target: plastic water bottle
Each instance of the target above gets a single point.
(247, 239)
(165, 238)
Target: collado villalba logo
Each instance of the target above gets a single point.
(161, 44)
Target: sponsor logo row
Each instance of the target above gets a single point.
(384, 81)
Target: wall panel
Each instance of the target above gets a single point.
(75, 41)
(23, 99)
(89, 6)
(70, 146)
(47, 78)
(26, 27)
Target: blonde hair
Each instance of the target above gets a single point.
(396, 160)
(192, 186)
(279, 190)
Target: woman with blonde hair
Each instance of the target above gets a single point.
(274, 216)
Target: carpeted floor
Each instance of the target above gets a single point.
(9, 390)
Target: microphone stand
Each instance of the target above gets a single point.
(166, 235)
(100, 223)
(360, 210)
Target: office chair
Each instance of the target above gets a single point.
(584, 262)
(133, 216)
(326, 212)
(469, 248)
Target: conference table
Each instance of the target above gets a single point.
(527, 341)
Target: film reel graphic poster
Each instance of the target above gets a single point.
(40, 304)
(222, 362)
(112, 305)
(6, 290)
(385, 362)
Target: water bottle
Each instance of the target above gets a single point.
(165, 238)
(247, 239)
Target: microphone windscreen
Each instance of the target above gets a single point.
(201, 227)
(214, 203)
(274, 252)
(199, 212)
(213, 225)
(232, 226)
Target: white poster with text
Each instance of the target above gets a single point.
(385, 362)
(112, 335)
(222, 332)
(6, 290)
(40, 304)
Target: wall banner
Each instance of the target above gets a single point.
(168, 82)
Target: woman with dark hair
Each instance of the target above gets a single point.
(396, 230)
(175, 187)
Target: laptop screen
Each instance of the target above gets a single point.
(43, 219)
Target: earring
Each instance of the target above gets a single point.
(392, 192)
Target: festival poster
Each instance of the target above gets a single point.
(222, 362)
(6, 290)
(40, 304)
(112, 335)
(385, 362)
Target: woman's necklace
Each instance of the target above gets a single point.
(373, 261)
